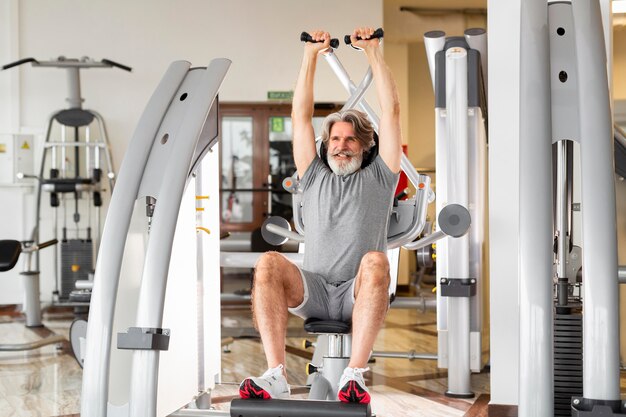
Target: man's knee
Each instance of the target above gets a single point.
(272, 268)
(375, 262)
(374, 269)
(270, 260)
(267, 267)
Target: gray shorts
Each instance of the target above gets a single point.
(323, 300)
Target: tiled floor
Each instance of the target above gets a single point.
(41, 382)
(47, 381)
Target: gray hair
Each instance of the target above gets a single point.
(363, 130)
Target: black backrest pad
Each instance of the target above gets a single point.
(9, 253)
(314, 325)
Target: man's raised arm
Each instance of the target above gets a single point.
(302, 107)
(389, 134)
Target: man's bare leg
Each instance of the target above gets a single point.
(277, 286)
(372, 301)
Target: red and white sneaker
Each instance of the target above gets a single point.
(272, 384)
(352, 387)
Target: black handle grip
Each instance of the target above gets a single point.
(378, 34)
(20, 62)
(305, 37)
(116, 64)
(48, 243)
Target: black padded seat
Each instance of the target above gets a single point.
(314, 325)
(9, 253)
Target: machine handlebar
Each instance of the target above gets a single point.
(20, 62)
(62, 62)
(305, 37)
(46, 244)
(116, 64)
(378, 34)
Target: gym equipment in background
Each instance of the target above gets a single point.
(458, 69)
(10, 251)
(75, 159)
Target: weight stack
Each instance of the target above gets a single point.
(76, 264)
(568, 361)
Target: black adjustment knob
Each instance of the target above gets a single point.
(311, 369)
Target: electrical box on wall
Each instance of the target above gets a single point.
(17, 155)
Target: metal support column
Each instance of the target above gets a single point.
(536, 363)
(600, 289)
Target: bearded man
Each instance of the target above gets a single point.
(346, 209)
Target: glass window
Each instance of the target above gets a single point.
(281, 150)
(237, 169)
(281, 160)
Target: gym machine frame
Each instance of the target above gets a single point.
(458, 68)
(177, 115)
(565, 97)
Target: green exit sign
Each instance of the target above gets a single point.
(280, 95)
(278, 124)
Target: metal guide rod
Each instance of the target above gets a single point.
(107, 155)
(87, 150)
(458, 249)
(562, 223)
(200, 282)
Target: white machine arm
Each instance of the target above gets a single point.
(172, 133)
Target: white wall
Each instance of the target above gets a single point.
(261, 38)
(8, 81)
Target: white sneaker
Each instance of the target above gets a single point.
(272, 384)
(352, 387)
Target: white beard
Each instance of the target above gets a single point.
(343, 168)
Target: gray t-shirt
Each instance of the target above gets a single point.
(345, 217)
